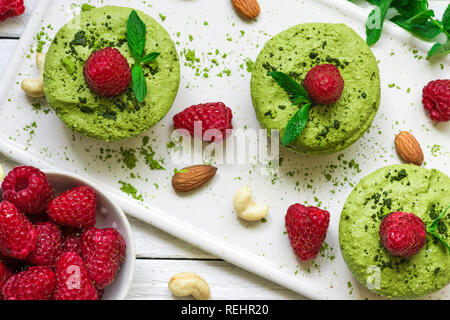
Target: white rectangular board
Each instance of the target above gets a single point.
(205, 218)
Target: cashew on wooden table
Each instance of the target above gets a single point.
(34, 88)
(189, 284)
(246, 208)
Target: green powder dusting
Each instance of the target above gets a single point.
(129, 157)
(130, 190)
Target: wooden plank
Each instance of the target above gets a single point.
(13, 27)
(226, 281)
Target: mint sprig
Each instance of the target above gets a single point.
(375, 21)
(136, 36)
(298, 96)
(412, 15)
(434, 226)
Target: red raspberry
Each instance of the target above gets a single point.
(103, 251)
(17, 234)
(74, 208)
(28, 189)
(73, 280)
(307, 228)
(36, 283)
(211, 115)
(11, 8)
(324, 84)
(48, 248)
(5, 274)
(403, 234)
(107, 72)
(71, 240)
(436, 100)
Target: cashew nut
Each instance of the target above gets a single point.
(189, 284)
(246, 208)
(2, 173)
(35, 87)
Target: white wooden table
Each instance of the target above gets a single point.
(160, 255)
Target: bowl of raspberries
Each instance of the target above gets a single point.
(61, 238)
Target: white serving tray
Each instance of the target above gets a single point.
(206, 218)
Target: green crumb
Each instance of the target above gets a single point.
(264, 220)
(163, 17)
(191, 38)
(435, 150)
(249, 64)
(129, 158)
(130, 190)
(190, 56)
(86, 7)
(69, 65)
(170, 145)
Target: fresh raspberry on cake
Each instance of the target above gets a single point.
(36, 283)
(11, 8)
(74, 208)
(73, 280)
(436, 100)
(107, 72)
(215, 117)
(48, 248)
(17, 234)
(403, 234)
(28, 189)
(324, 84)
(103, 251)
(307, 229)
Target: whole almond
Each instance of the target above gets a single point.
(409, 148)
(247, 8)
(191, 178)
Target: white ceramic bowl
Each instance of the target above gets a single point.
(109, 215)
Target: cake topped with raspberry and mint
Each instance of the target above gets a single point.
(111, 73)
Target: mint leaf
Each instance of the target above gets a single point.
(439, 49)
(136, 33)
(434, 226)
(375, 21)
(441, 239)
(139, 83)
(446, 20)
(150, 57)
(420, 24)
(296, 125)
(295, 91)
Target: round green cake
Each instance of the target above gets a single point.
(103, 118)
(295, 51)
(406, 188)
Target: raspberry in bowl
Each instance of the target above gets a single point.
(79, 228)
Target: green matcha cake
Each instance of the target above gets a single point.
(297, 50)
(406, 188)
(99, 117)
